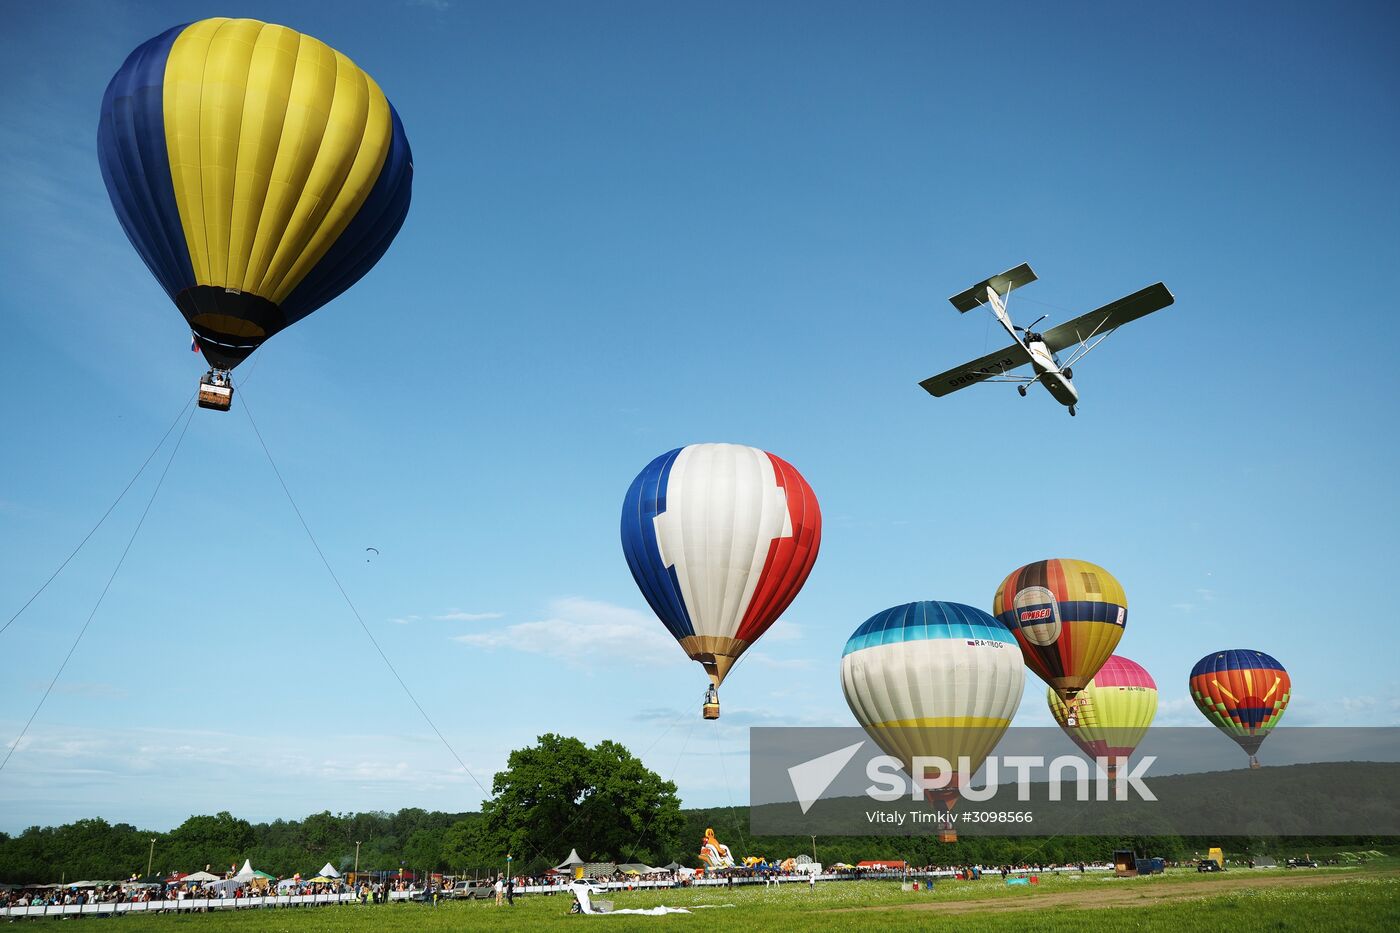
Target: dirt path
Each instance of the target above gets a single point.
(1136, 893)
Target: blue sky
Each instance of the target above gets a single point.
(641, 225)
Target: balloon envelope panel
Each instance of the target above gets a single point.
(1067, 615)
(719, 538)
(257, 171)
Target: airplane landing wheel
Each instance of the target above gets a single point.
(1071, 411)
(1069, 373)
(1022, 390)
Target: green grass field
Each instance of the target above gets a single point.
(1365, 897)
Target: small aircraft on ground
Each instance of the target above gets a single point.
(1040, 350)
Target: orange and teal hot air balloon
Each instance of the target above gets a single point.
(1244, 693)
(1115, 710)
(1067, 616)
(257, 171)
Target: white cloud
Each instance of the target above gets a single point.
(450, 615)
(1364, 710)
(767, 660)
(1202, 596)
(583, 631)
(783, 631)
(62, 773)
(1177, 711)
(456, 615)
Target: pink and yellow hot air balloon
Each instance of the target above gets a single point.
(1115, 710)
(1067, 616)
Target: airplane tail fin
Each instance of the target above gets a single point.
(1001, 284)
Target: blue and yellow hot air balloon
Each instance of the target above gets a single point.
(257, 171)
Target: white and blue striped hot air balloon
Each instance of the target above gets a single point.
(719, 538)
(934, 679)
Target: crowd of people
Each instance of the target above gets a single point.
(501, 888)
(84, 893)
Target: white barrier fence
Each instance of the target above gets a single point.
(188, 904)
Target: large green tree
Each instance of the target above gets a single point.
(467, 848)
(216, 841)
(560, 794)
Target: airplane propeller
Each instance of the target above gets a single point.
(1027, 329)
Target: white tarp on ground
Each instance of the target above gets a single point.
(583, 896)
(328, 871)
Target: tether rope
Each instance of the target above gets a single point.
(355, 611)
(674, 768)
(83, 631)
(115, 503)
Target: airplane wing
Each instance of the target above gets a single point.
(993, 364)
(1114, 314)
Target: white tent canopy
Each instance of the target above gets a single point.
(569, 862)
(328, 871)
(246, 872)
(199, 877)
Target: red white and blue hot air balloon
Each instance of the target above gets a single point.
(720, 539)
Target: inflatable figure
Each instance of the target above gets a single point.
(714, 853)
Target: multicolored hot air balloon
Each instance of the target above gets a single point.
(719, 538)
(1114, 712)
(934, 679)
(257, 171)
(1244, 693)
(1067, 616)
